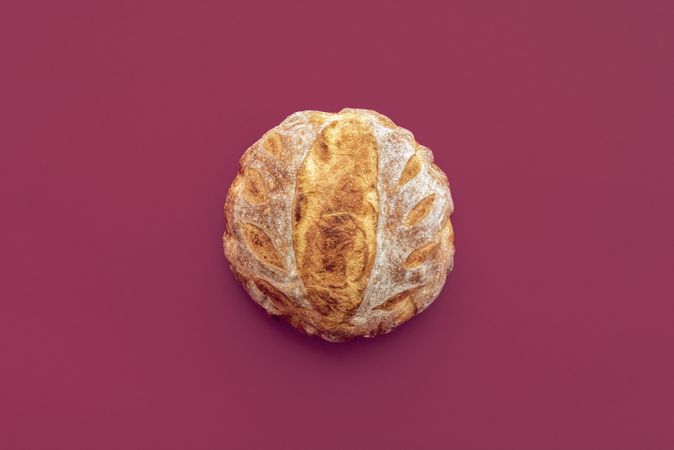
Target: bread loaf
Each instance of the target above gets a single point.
(340, 224)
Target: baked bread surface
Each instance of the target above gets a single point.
(340, 224)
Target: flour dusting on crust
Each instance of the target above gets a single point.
(339, 289)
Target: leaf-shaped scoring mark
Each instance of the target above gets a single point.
(420, 211)
(421, 254)
(254, 190)
(273, 144)
(278, 298)
(260, 244)
(411, 170)
(401, 302)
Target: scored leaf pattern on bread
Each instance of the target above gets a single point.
(342, 287)
(411, 170)
(261, 245)
(420, 210)
(255, 191)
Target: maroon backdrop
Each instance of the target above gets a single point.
(121, 124)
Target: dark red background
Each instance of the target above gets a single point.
(121, 124)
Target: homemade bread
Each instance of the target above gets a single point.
(340, 224)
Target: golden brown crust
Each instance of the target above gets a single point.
(339, 223)
(335, 217)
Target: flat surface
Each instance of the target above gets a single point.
(121, 326)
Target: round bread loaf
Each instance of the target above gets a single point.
(340, 224)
